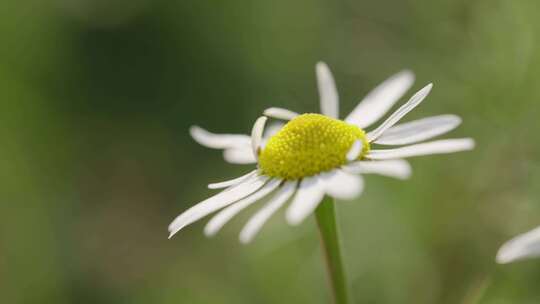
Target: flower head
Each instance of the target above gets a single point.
(308, 145)
(313, 155)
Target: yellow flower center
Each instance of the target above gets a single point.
(310, 144)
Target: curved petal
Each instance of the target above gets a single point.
(342, 185)
(240, 156)
(220, 219)
(415, 100)
(521, 247)
(280, 113)
(231, 182)
(218, 141)
(419, 130)
(433, 147)
(381, 99)
(216, 202)
(327, 91)
(272, 129)
(355, 150)
(307, 198)
(257, 134)
(256, 222)
(393, 168)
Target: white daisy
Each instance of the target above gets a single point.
(314, 155)
(523, 246)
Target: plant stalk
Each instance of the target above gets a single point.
(326, 220)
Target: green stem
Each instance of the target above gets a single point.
(326, 219)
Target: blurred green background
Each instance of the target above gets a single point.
(95, 159)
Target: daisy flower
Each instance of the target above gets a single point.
(313, 155)
(523, 246)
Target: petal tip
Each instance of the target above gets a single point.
(407, 172)
(171, 234)
(268, 112)
(292, 218)
(209, 231)
(506, 255)
(407, 75)
(321, 65)
(469, 143)
(194, 128)
(244, 240)
(195, 132)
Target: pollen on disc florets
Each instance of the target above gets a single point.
(310, 144)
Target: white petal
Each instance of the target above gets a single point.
(523, 246)
(272, 129)
(240, 156)
(231, 182)
(433, 147)
(342, 185)
(218, 141)
(216, 202)
(355, 150)
(280, 113)
(381, 99)
(256, 134)
(220, 219)
(415, 100)
(327, 91)
(394, 168)
(256, 222)
(419, 130)
(307, 198)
